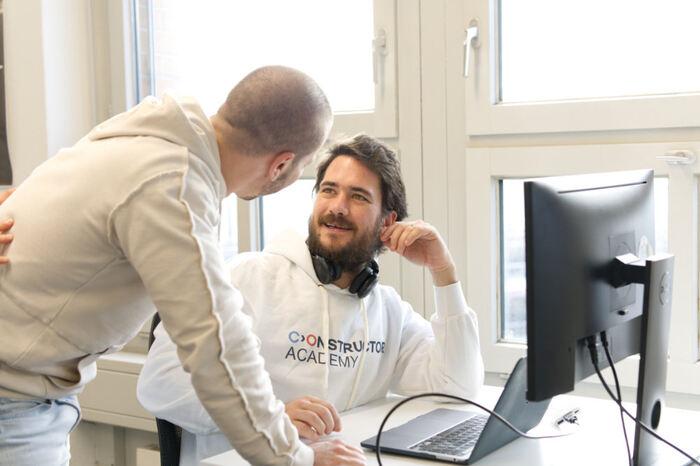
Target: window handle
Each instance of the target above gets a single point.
(471, 42)
(378, 53)
(678, 157)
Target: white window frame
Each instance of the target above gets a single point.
(486, 166)
(559, 138)
(382, 122)
(487, 116)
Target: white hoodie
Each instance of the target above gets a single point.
(125, 219)
(321, 340)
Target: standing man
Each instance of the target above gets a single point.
(331, 337)
(128, 218)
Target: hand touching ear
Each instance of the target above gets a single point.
(420, 243)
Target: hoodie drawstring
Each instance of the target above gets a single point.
(365, 338)
(326, 336)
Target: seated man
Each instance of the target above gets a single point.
(332, 340)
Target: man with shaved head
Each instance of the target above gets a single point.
(128, 218)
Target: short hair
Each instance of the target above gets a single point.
(378, 158)
(278, 109)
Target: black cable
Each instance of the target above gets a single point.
(604, 339)
(464, 400)
(594, 359)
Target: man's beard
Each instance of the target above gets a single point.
(352, 256)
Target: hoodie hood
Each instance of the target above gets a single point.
(180, 121)
(286, 244)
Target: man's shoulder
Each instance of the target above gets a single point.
(387, 295)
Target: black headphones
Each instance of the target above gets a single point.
(327, 272)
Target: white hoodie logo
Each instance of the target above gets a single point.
(311, 348)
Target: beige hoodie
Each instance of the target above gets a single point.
(125, 219)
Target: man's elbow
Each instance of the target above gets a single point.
(467, 385)
(146, 395)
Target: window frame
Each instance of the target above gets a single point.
(559, 138)
(485, 166)
(486, 116)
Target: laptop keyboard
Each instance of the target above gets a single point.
(458, 440)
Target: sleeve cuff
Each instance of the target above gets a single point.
(304, 455)
(450, 301)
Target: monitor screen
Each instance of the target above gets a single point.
(574, 227)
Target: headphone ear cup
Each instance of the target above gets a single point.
(358, 281)
(335, 269)
(364, 281)
(367, 286)
(326, 271)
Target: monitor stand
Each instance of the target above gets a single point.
(656, 274)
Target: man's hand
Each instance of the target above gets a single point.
(420, 243)
(336, 452)
(313, 417)
(5, 225)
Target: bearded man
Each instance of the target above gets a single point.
(333, 339)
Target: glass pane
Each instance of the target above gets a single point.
(203, 48)
(513, 317)
(287, 209)
(561, 50)
(228, 228)
(143, 24)
(513, 281)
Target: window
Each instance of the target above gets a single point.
(512, 273)
(544, 99)
(203, 48)
(496, 282)
(602, 49)
(546, 66)
(207, 46)
(288, 209)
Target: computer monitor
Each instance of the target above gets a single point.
(587, 242)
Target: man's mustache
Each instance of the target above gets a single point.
(336, 220)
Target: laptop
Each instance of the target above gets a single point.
(463, 436)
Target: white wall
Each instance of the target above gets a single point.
(48, 78)
(24, 86)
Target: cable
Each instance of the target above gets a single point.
(464, 400)
(604, 339)
(594, 360)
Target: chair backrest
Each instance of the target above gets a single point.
(169, 435)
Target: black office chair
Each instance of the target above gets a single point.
(169, 435)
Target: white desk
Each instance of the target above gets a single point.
(598, 441)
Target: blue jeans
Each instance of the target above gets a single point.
(35, 432)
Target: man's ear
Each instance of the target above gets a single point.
(280, 164)
(389, 219)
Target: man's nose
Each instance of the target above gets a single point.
(339, 205)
